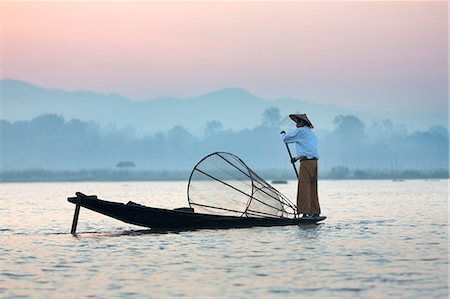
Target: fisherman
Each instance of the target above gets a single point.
(306, 144)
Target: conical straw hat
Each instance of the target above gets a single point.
(296, 117)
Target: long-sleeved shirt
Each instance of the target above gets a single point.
(305, 142)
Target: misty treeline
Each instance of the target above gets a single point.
(53, 143)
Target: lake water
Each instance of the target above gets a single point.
(381, 239)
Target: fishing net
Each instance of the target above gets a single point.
(222, 184)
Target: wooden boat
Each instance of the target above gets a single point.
(177, 219)
(224, 192)
(279, 182)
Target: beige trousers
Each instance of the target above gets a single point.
(307, 197)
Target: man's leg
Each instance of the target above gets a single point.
(304, 189)
(315, 207)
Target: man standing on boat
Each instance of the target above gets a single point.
(306, 144)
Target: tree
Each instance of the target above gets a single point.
(213, 127)
(439, 131)
(271, 117)
(349, 129)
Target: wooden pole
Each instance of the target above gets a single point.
(290, 156)
(73, 231)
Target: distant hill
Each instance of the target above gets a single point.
(235, 108)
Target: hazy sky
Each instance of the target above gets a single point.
(390, 55)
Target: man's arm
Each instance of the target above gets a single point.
(289, 137)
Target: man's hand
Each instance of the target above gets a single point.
(282, 132)
(295, 159)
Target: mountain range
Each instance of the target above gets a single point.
(234, 108)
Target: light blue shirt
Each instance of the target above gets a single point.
(305, 142)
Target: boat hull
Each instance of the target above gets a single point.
(156, 218)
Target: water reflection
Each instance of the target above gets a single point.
(377, 242)
(97, 234)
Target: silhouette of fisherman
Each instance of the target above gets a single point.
(306, 145)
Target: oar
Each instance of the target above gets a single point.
(290, 156)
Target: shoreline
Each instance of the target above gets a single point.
(99, 175)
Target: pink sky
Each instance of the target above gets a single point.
(369, 54)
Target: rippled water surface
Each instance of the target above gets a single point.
(381, 239)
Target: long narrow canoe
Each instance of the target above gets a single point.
(177, 219)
